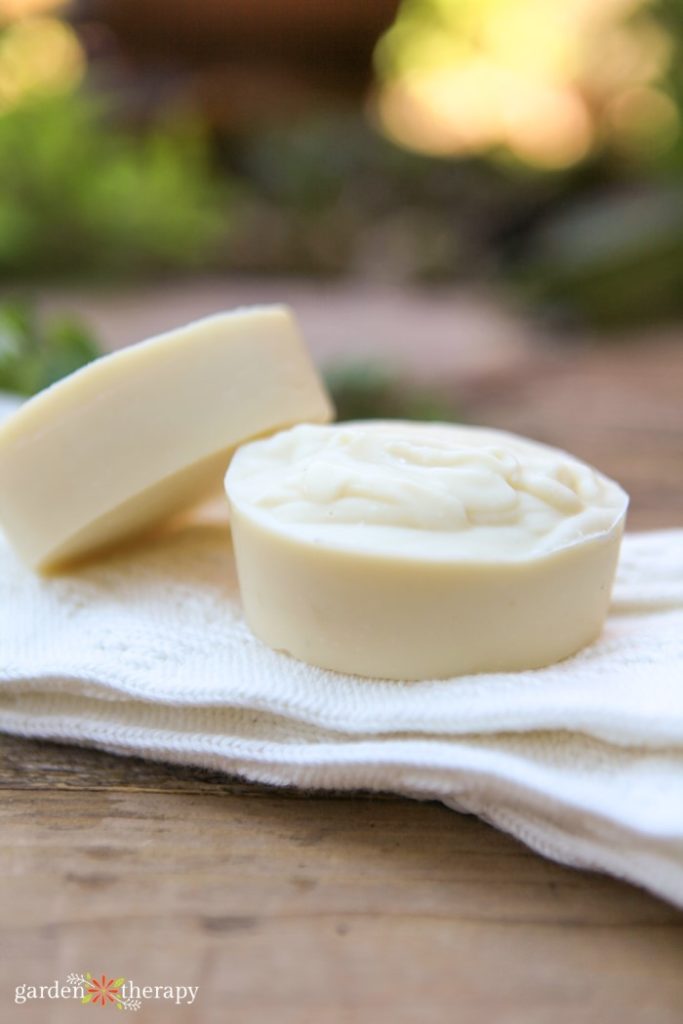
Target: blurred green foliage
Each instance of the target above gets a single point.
(330, 195)
(597, 242)
(35, 353)
(610, 261)
(375, 390)
(80, 197)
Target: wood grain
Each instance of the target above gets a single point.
(316, 909)
(291, 907)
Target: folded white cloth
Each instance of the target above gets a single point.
(146, 652)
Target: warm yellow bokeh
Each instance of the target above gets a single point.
(543, 80)
(12, 10)
(38, 55)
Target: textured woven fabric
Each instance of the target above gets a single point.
(146, 652)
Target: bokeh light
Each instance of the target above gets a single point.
(39, 55)
(12, 10)
(545, 82)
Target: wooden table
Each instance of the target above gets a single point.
(294, 908)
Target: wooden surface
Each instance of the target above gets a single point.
(295, 908)
(290, 908)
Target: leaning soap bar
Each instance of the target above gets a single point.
(147, 431)
(413, 551)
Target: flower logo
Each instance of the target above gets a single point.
(103, 991)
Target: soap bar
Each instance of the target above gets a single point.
(147, 431)
(412, 550)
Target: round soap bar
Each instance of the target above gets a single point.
(145, 432)
(413, 550)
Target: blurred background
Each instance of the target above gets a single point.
(475, 206)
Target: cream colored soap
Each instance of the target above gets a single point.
(412, 551)
(143, 433)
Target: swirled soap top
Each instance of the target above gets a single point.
(424, 490)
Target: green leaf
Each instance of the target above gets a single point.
(35, 353)
(86, 998)
(119, 982)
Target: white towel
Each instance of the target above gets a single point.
(146, 652)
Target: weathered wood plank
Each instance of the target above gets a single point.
(321, 910)
(38, 765)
